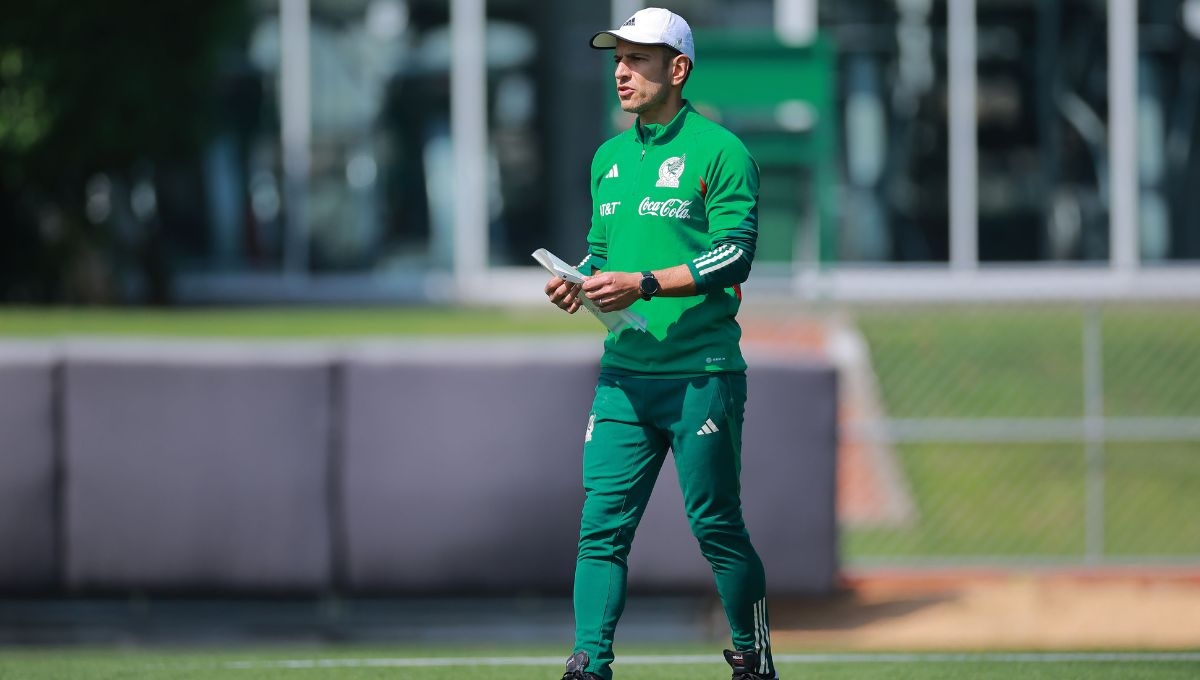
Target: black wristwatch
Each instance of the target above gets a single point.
(649, 286)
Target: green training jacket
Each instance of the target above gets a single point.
(664, 195)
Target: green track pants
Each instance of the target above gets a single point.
(634, 421)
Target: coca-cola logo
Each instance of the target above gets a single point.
(675, 208)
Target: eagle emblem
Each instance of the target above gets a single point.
(670, 170)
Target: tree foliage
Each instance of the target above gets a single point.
(90, 87)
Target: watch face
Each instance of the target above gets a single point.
(649, 285)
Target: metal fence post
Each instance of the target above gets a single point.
(964, 135)
(1093, 418)
(469, 131)
(295, 121)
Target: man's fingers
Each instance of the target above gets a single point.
(558, 291)
(571, 294)
(594, 283)
(597, 292)
(563, 294)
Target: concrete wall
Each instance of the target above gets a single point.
(197, 471)
(444, 466)
(463, 473)
(28, 470)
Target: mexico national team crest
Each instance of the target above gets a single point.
(669, 172)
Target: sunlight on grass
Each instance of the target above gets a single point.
(275, 322)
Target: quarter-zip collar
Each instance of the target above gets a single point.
(656, 134)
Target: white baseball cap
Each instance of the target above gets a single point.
(651, 26)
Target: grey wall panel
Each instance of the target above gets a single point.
(194, 471)
(28, 559)
(440, 466)
(789, 483)
(788, 491)
(468, 474)
(463, 477)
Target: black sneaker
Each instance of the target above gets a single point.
(744, 665)
(575, 666)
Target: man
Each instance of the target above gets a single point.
(674, 226)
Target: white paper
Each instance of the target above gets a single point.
(614, 321)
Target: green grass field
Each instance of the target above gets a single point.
(1028, 499)
(491, 664)
(1027, 361)
(285, 323)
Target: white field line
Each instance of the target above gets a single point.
(436, 662)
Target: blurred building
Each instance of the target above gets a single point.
(380, 188)
(956, 135)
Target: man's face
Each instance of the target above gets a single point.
(643, 74)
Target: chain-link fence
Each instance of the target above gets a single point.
(1000, 433)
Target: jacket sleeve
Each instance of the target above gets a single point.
(597, 237)
(731, 205)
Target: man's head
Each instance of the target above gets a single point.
(653, 54)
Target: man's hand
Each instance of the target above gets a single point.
(613, 291)
(563, 294)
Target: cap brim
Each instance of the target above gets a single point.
(604, 40)
(607, 40)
